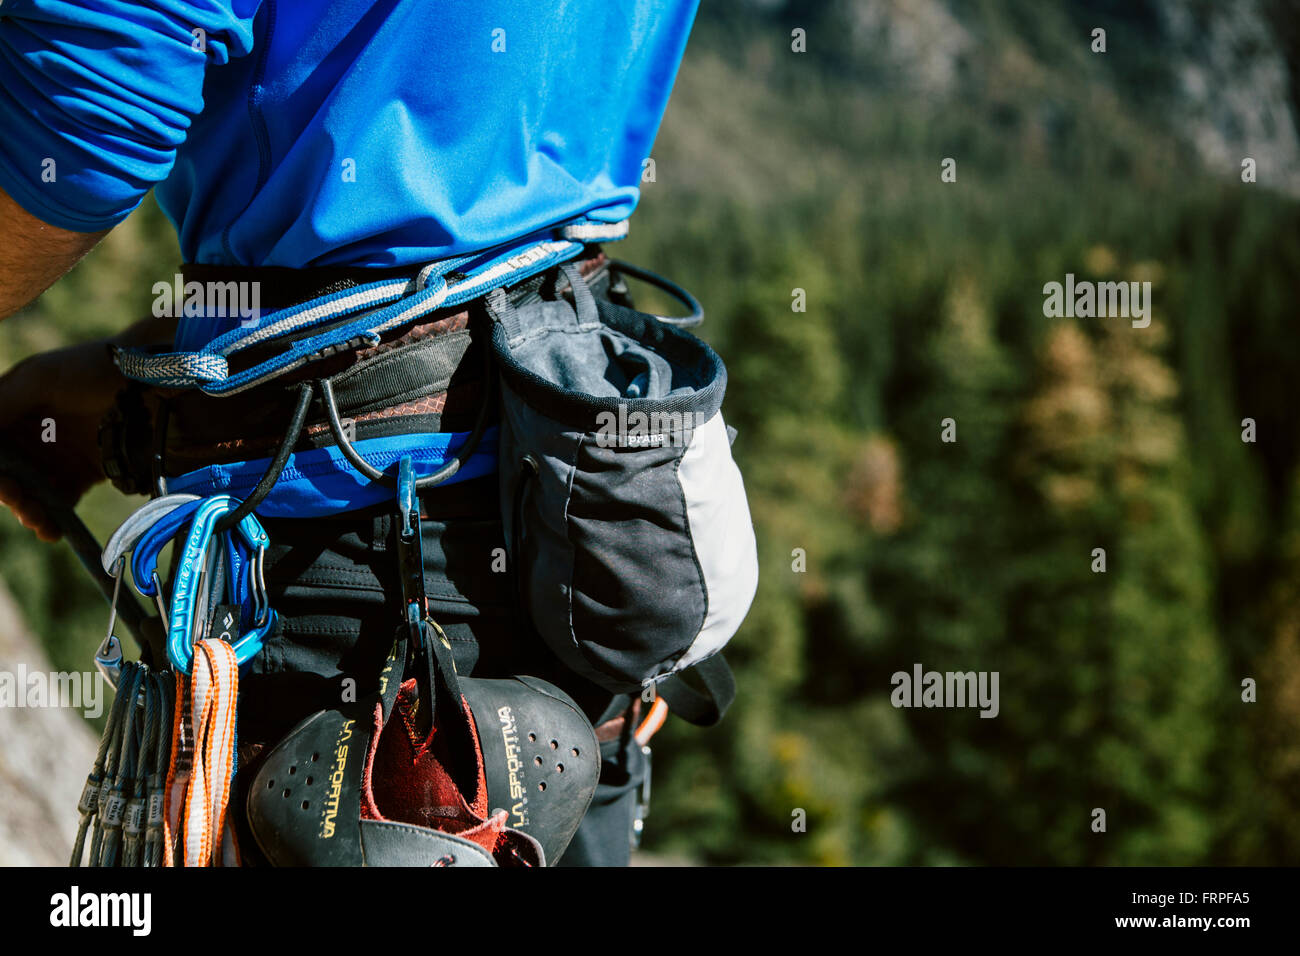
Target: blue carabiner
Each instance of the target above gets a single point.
(247, 578)
(180, 648)
(144, 557)
(129, 533)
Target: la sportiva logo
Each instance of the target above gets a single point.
(330, 810)
(514, 766)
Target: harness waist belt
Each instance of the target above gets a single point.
(321, 482)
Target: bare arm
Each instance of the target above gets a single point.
(34, 254)
(73, 387)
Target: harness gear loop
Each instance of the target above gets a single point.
(274, 469)
(467, 449)
(689, 321)
(379, 306)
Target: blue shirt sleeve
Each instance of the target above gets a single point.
(96, 98)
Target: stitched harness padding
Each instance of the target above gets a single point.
(174, 432)
(374, 392)
(420, 369)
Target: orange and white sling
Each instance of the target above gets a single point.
(203, 760)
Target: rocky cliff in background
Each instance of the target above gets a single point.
(1223, 77)
(46, 755)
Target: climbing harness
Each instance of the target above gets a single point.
(425, 767)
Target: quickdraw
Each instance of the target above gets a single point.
(160, 786)
(124, 794)
(186, 626)
(108, 658)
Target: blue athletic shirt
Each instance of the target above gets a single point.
(307, 133)
(334, 132)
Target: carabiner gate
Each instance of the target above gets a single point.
(181, 626)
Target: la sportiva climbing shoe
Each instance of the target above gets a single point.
(502, 777)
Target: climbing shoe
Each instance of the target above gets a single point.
(501, 776)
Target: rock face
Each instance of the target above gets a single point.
(44, 758)
(1235, 64)
(1232, 70)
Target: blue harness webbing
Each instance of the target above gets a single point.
(322, 482)
(379, 307)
